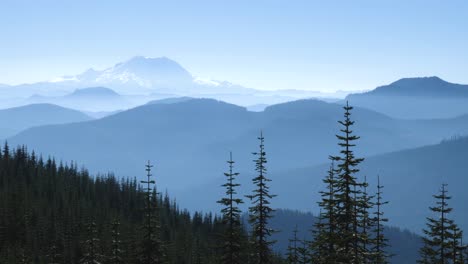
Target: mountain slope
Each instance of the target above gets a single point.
(429, 97)
(142, 79)
(94, 99)
(190, 140)
(403, 244)
(93, 92)
(424, 87)
(14, 120)
(410, 178)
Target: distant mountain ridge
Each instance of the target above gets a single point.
(90, 99)
(190, 141)
(143, 79)
(424, 86)
(415, 98)
(410, 178)
(94, 92)
(14, 120)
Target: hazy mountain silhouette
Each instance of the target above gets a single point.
(403, 243)
(429, 97)
(190, 141)
(143, 79)
(410, 178)
(170, 100)
(95, 99)
(93, 92)
(14, 120)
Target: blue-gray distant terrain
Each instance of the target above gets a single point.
(410, 98)
(189, 140)
(14, 120)
(138, 81)
(153, 109)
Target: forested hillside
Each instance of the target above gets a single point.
(47, 209)
(201, 132)
(55, 213)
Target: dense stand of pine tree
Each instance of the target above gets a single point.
(55, 213)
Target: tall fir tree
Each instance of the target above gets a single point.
(347, 191)
(365, 223)
(292, 255)
(260, 212)
(304, 254)
(116, 244)
(379, 255)
(231, 244)
(151, 248)
(93, 253)
(325, 229)
(438, 236)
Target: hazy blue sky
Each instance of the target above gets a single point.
(317, 45)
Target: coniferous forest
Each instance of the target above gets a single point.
(52, 212)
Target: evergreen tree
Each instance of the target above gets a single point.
(92, 254)
(438, 241)
(365, 223)
(292, 255)
(304, 256)
(45, 210)
(325, 229)
(231, 218)
(347, 189)
(152, 246)
(116, 247)
(260, 211)
(379, 255)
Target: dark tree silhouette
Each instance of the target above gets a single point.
(292, 255)
(152, 252)
(347, 191)
(93, 253)
(116, 244)
(379, 255)
(260, 211)
(438, 240)
(231, 218)
(325, 229)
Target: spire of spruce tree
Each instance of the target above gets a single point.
(151, 250)
(260, 211)
(304, 256)
(231, 218)
(347, 189)
(379, 255)
(292, 255)
(325, 229)
(365, 222)
(438, 241)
